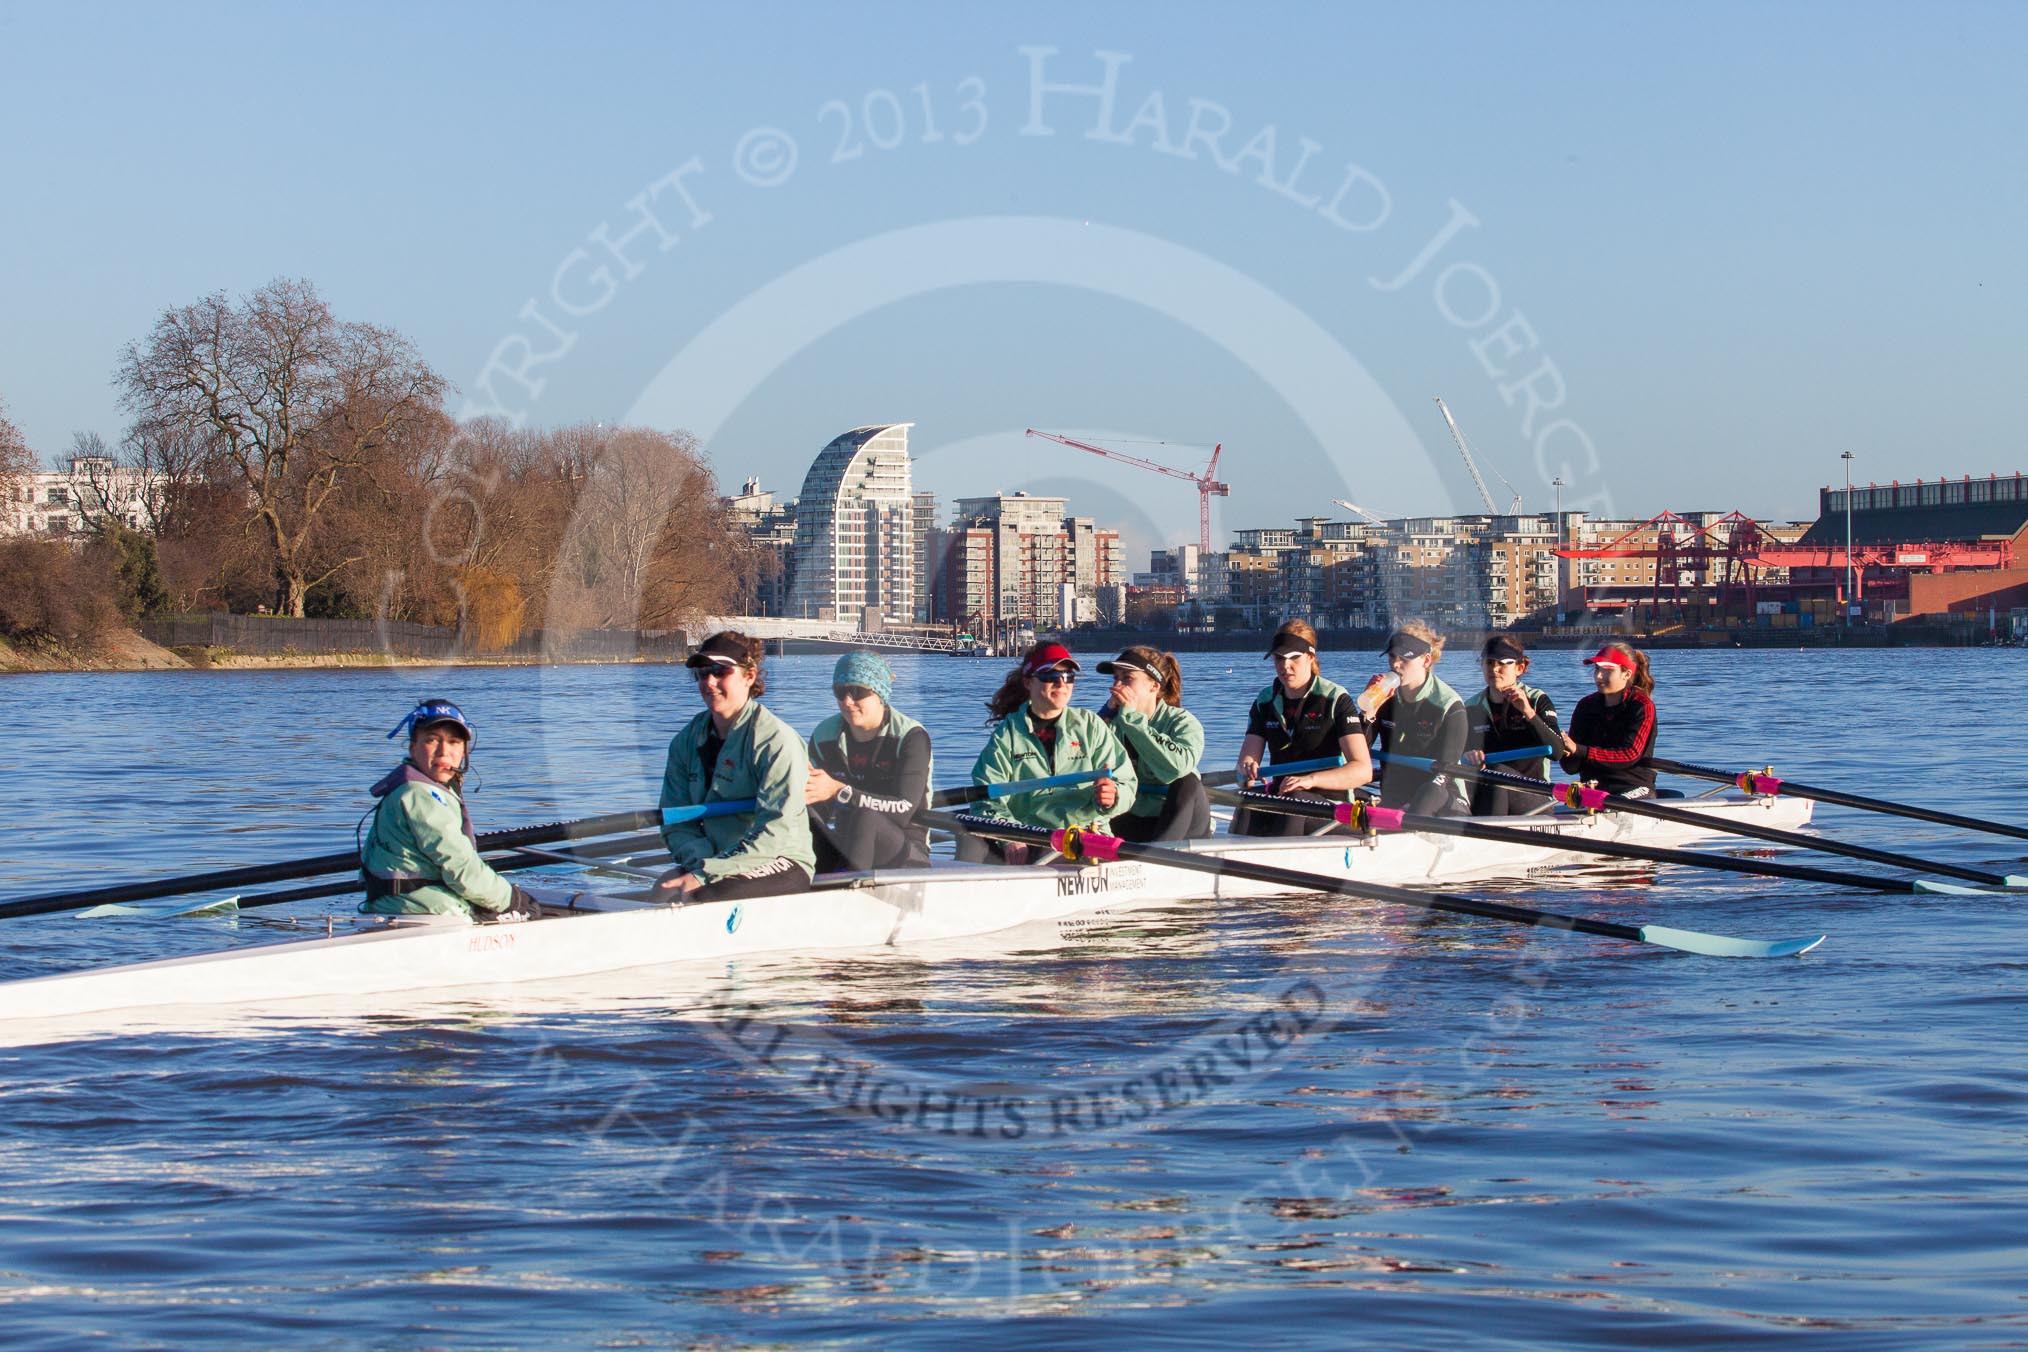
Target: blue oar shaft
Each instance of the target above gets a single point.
(1301, 767)
(1497, 758)
(1014, 786)
(972, 793)
(730, 807)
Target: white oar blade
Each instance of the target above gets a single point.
(162, 910)
(1722, 946)
(1954, 889)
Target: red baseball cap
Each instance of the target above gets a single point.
(1612, 655)
(1048, 656)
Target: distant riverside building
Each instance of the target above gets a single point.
(770, 527)
(64, 502)
(923, 527)
(1013, 558)
(1456, 572)
(856, 530)
(1925, 548)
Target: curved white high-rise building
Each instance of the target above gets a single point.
(855, 545)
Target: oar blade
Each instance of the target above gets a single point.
(1724, 946)
(160, 910)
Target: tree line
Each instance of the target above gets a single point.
(305, 465)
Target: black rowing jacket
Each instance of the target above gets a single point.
(1494, 728)
(1306, 728)
(1614, 742)
(888, 774)
(1430, 723)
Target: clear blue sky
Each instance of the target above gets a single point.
(1747, 237)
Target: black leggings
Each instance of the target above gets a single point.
(1497, 800)
(782, 878)
(856, 841)
(1185, 815)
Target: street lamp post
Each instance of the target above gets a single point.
(1846, 456)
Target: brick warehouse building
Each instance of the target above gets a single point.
(1932, 547)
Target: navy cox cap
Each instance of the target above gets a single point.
(430, 713)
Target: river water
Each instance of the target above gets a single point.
(1488, 1133)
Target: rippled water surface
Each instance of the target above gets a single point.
(1437, 1131)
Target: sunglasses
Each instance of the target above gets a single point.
(1501, 661)
(859, 693)
(1057, 677)
(703, 674)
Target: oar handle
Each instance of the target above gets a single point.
(1524, 753)
(730, 807)
(973, 793)
(1016, 786)
(1221, 777)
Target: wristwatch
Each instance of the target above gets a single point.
(844, 795)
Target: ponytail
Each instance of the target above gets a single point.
(1644, 680)
(1013, 691)
(1172, 679)
(1162, 666)
(1011, 695)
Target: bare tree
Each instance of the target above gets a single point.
(298, 404)
(175, 463)
(647, 545)
(95, 490)
(17, 462)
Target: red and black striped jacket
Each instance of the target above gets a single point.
(1614, 742)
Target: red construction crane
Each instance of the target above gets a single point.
(1208, 486)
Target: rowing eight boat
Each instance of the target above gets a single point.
(589, 928)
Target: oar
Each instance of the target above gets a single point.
(1218, 777)
(1372, 817)
(972, 793)
(1763, 781)
(1586, 799)
(598, 865)
(1083, 846)
(520, 859)
(225, 880)
(1520, 753)
(160, 910)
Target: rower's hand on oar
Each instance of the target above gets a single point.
(1248, 771)
(1108, 793)
(1475, 758)
(1294, 783)
(520, 906)
(678, 880)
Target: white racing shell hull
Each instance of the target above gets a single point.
(599, 932)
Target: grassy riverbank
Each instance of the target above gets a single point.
(127, 650)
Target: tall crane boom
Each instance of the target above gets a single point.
(1375, 518)
(1478, 479)
(1208, 485)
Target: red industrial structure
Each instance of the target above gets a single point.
(1930, 547)
(1726, 549)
